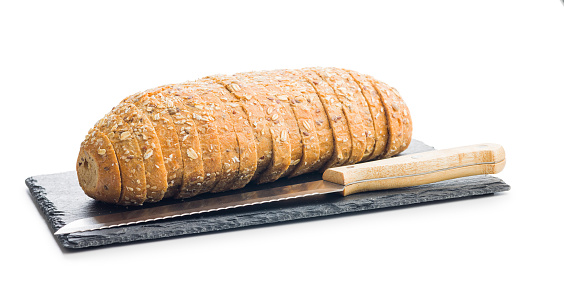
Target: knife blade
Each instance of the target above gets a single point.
(396, 172)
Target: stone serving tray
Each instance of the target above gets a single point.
(60, 200)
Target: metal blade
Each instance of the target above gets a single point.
(200, 206)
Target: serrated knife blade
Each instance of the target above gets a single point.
(201, 206)
(397, 172)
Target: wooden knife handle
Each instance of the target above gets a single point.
(420, 168)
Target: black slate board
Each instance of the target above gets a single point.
(61, 200)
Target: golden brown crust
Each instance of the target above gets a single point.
(351, 111)
(322, 126)
(186, 131)
(365, 117)
(281, 148)
(228, 147)
(405, 115)
(303, 113)
(342, 141)
(394, 118)
(221, 132)
(378, 114)
(201, 113)
(292, 134)
(97, 168)
(256, 116)
(130, 160)
(143, 131)
(179, 134)
(245, 137)
(158, 113)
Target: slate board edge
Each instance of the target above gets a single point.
(98, 238)
(46, 206)
(57, 217)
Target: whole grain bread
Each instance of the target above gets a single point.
(246, 149)
(98, 169)
(158, 114)
(221, 132)
(342, 140)
(256, 115)
(303, 114)
(276, 121)
(377, 112)
(357, 98)
(397, 126)
(228, 148)
(321, 122)
(291, 135)
(144, 133)
(130, 159)
(351, 110)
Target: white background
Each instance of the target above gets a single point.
(470, 72)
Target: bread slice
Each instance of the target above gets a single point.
(378, 114)
(221, 132)
(342, 141)
(303, 113)
(405, 115)
(228, 147)
(350, 109)
(393, 116)
(274, 112)
(321, 127)
(162, 122)
(98, 169)
(130, 159)
(186, 131)
(144, 132)
(292, 134)
(285, 114)
(246, 147)
(357, 98)
(202, 115)
(256, 115)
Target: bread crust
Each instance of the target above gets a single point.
(97, 168)
(256, 115)
(162, 122)
(394, 118)
(221, 132)
(406, 123)
(365, 117)
(130, 160)
(351, 111)
(228, 147)
(322, 126)
(281, 148)
(292, 134)
(303, 113)
(200, 113)
(143, 131)
(342, 140)
(244, 132)
(378, 114)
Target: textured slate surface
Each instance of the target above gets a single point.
(60, 200)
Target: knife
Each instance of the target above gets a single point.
(397, 172)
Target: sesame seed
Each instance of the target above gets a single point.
(148, 153)
(124, 135)
(192, 153)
